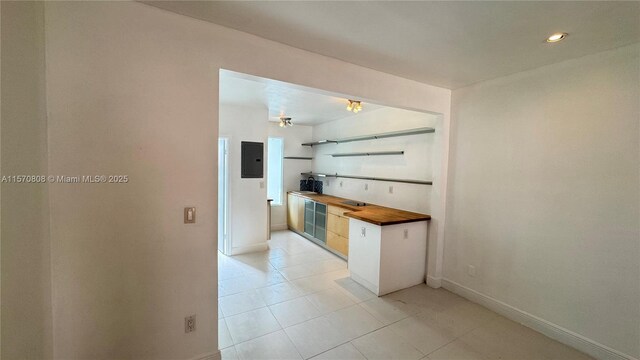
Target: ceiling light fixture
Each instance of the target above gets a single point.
(556, 37)
(354, 105)
(285, 121)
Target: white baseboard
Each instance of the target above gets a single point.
(208, 356)
(434, 282)
(556, 332)
(263, 246)
(278, 227)
(371, 287)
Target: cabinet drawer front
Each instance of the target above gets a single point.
(338, 243)
(338, 225)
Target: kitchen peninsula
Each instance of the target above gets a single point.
(385, 247)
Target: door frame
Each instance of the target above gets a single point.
(224, 230)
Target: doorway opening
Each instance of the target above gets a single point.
(378, 155)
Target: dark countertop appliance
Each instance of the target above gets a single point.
(311, 184)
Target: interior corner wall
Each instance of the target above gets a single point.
(247, 198)
(133, 90)
(544, 195)
(25, 259)
(293, 138)
(416, 163)
(425, 158)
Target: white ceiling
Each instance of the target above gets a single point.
(305, 106)
(450, 43)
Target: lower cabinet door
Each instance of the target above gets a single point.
(300, 226)
(309, 217)
(292, 212)
(320, 230)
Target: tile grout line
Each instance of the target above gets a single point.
(285, 280)
(280, 302)
(291, 341)
(263, 335)
(287, 335)
(456, 338)
(358, 350)
(350, 341)
(270, 310)
(290, 282)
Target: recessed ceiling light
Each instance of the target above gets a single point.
(556, 37)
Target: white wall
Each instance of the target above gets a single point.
(26, 277)
(417, 163)
(425, 159)
(247, 199)
(293, 138)
(133, 90)
(544, 195)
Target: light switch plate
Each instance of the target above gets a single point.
(190, 215)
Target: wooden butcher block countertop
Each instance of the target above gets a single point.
(371, 213)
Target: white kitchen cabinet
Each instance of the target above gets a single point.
(387, 258)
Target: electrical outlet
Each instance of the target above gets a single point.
(190, 215)
(366, 187)
(190, 324)
(471, 270)
(363, 232)
(390, 189)
(406, 233)
(328, 183)
(261, 184)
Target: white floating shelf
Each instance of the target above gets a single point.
(424, 130)
(376, 153)
(407, 181)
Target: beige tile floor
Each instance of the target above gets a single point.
(296, 301)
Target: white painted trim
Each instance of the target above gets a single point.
(444, 178)
(263, 246)
(434, 282)
(278, 227)
(556, 332)
(208, 356)
(226, 243)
